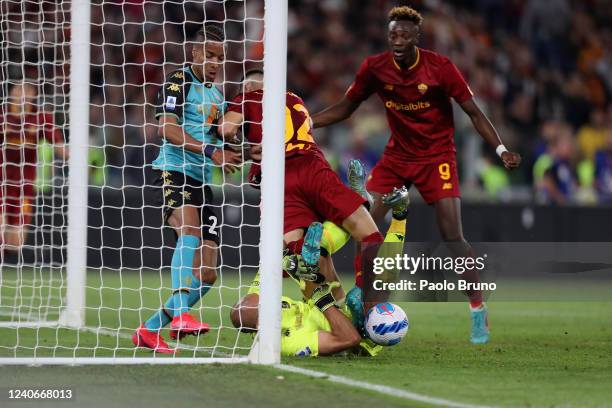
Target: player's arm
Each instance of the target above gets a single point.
(486, 130)
(335, 113)
(361, 88)
(343, 335)
(229, 125)
(173, 132)
(457, 88)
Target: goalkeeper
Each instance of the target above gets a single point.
(322, 324)
(312, 328)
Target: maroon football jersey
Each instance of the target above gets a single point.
(298, 132)
(417, 101)
(19, 136)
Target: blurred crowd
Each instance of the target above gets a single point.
(541, 70)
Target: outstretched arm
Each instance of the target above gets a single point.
(343, 335)
(229, 125)
(335, 113)
(486, 130)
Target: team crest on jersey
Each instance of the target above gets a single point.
(422, 88)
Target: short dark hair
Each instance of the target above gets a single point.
(254, 71)
(210, 32)
(405, 13)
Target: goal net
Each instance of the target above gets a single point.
(86, 255)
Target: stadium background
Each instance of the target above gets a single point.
(546, 83)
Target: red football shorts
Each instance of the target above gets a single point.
(435, 181)
(16, 202)
(314, 192)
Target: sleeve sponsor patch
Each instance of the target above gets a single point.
(171, 102)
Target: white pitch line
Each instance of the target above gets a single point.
(383, 389)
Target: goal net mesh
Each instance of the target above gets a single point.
(134, 46)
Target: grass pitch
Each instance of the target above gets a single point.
(541, 354)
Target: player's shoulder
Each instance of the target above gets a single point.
(179, 76)
(293, 97)
(255, 96)
(433, 58)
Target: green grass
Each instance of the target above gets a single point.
(541, 354)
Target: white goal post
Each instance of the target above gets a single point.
(57, 296)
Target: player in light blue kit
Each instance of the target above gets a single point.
(188, 107)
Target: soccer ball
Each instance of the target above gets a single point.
(386, 324)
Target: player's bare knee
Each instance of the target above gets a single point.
(189, 230)
(360, 224)
(206, 274)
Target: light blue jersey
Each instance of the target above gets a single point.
(197, 106)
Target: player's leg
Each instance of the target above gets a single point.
(448, 216)
(204, 271)
(438, 183)
(181, 206)
(325, 239)
(17, 211)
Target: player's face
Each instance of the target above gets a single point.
(403, 36)
(210, 56)
(22, 98)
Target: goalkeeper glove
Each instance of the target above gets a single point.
(322, 297)
(295, 266)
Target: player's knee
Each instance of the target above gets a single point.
(189, 230)
(13, 239)
(207, 275)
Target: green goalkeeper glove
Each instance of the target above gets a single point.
(295, 266)
(322, 297)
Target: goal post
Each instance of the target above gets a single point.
(76, 267)
(58, 306)
(273, 181)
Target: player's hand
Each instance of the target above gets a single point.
(255, 153)
(322, 296)
(511, 160)
(295, 266)
(228, 159)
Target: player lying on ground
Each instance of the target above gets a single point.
(322, 324)
(22, 125)
(313, 191)
(416, 87)
(188, 107)
(311, 328)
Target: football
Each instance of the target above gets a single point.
(386, 324)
